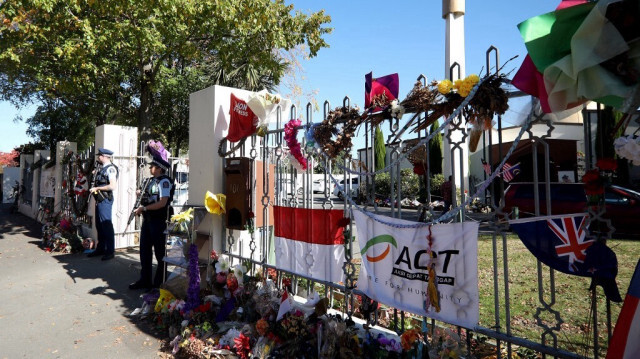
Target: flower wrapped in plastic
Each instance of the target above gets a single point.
(215, 203)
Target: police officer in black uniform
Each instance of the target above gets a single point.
(155, 201)
(106, 181)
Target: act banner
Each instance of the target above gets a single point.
(395, 269)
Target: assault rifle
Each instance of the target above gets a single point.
(138, 200)
(98, 195)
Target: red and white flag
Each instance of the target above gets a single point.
(624, 343)
(285, 305)
(310, 242)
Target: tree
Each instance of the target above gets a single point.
(10, 159)
(55, 122)
(380, 150)
(435, 150)
(108, 60)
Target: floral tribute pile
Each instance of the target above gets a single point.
(242, 316)
(61, 235)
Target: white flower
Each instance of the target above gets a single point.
(397, 111)
(228, 338)
(184, 323)
(222, 265)
(239, 270)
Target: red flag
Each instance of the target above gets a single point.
(624, 343)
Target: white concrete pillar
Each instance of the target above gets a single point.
(208, 124)
(25, 164)
(62, 149)
(42, 156)
(453, 12)
(123, 141)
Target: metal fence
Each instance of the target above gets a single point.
(294, 188)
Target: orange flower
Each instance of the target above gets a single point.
(262, 326)
(409, 338)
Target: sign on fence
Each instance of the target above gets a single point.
(395, 269)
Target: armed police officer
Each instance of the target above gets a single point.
(106, 181)
(154, 208)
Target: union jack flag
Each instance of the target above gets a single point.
(557, 241)
(571, 232)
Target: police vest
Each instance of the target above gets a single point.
(152, 195)
(102, 178)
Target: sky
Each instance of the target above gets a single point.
(407, 37)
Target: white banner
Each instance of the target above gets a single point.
(394, 267)
(47, 182)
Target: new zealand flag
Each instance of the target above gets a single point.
(561, 243)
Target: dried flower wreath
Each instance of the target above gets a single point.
(349, 118)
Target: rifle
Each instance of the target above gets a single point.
(99, 197)
(138, 200)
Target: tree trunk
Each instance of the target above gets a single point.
(144, 113)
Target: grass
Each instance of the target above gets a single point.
(572, 299)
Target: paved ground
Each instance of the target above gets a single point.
(66, 305)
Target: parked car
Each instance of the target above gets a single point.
(353, 185)
(622, 204)
(318, 186)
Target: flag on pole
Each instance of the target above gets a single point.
(310, 242)
(395, 266)
(509, 171)
(624, 343)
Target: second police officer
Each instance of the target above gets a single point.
(106, 181)
(154, 208)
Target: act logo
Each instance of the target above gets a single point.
(384, 238)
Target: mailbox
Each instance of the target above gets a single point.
(239, 178)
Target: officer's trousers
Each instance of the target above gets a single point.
(152, 240)
(104, 226)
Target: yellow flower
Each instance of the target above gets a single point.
(457, 84)
(215, 203)
(444, 86)
(473, 78)
(183, 216)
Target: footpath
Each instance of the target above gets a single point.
(67, 305)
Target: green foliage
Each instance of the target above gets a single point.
(436, 184)
(435, 150)
(55, 122)
(409, 184)
(122, 62)
(380, 149)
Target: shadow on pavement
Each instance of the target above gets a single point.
(114, 275)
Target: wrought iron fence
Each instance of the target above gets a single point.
(295, 188)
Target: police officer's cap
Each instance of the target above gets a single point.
(159, 162)
(105, 152)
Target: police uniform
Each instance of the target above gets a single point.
(152, 232)
(104, 204)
